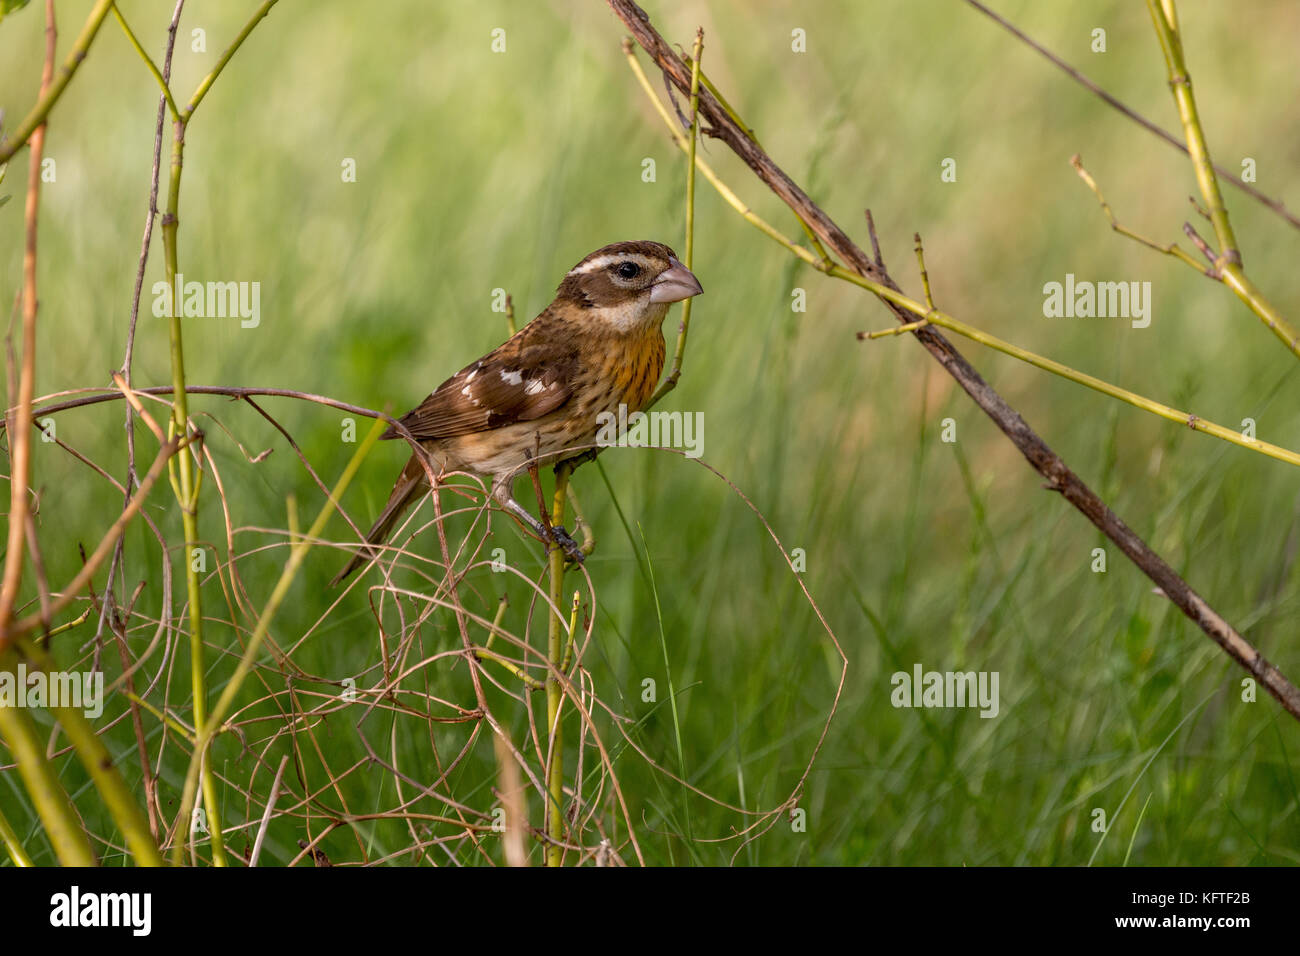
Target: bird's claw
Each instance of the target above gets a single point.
(561, 539)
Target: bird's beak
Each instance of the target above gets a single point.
(674, 284)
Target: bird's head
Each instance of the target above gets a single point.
(628, 284)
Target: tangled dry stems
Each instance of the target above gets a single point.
(497, 669)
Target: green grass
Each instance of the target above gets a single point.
(479, 171)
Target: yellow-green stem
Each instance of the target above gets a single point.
(679, 352)
(727, 108)
(485, 652)
(1114, 391)
(554, 690)
(148, 61)
(13, 846)
(297, 554)
(206, 83)
(1234, 277)
(69, 840)
(1165, 18)
(573, 631)
(1057, 368)
(98, 762)
(1227, 263)
(188, 499)
(187, 486)
(531, 682)
(1169, 249)
(588, 535)
(689, 251)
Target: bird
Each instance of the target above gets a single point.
(542, 392)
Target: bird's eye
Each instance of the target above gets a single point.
(628, 270)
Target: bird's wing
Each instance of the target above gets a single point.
(523, 379)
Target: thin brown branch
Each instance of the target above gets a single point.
(21, 435)
(106, 544)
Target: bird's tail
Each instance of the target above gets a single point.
(410, 484)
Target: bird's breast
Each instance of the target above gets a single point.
(634, 371)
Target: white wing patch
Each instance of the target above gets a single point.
(469, 378)
(514, 377)
(535, 386)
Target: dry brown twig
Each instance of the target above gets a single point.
(21, 417)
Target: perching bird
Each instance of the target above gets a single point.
(538, 394)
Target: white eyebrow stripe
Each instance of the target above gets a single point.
(605, 261)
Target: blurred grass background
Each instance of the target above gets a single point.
(478, 171)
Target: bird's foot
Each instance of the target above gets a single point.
(561, 539)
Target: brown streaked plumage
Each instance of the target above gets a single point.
(539, 394)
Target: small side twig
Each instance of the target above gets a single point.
(1274, 204)
(1169, 249)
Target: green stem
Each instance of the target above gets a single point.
(669, 383)
(187, 497)
(153, 68)
(1180, 81)
(187, 486)
(94, 756)
(668, 668)
(1227, 264)
(531, 682)
(13, 845)
(211, 78)
(298, 549)
(573, 631)
(1114, 391)
(1232, 275)
(1169, 249)
(735, 118)
(71, 845)
(554, 690)
(946, 321)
